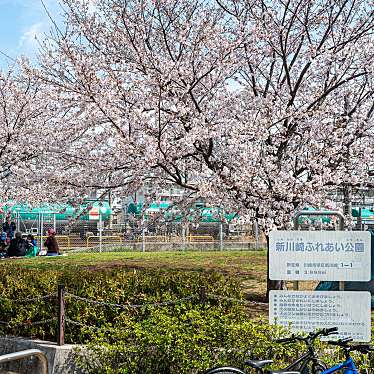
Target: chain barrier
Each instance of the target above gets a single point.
(79, 324)
(27, 324)
(129, 306)
(230, 350)
(163, 303)
(30, 300)
(62, 295)
(226, 298)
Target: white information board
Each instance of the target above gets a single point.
(349, 311)
(320, 255)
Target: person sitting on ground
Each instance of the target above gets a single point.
(3, 249)
(32, 248)
(17, 246)
(31, 239)
(3, 237)
(51, 243)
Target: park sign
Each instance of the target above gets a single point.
(307, 311)
(320, 255)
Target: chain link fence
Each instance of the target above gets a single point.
(137, 234)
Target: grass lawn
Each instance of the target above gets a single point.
(247, 266)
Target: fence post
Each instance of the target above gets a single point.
(100, 226)
(40, 225)
(202, 295)
(221, 236)
(143, 233)
(61, 315)
(54, 222)
(183, 237)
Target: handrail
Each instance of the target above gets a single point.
(204, 238)
(319, 213)
(104, 239)
(24, 354)
(59, 237)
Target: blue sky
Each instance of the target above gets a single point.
(20, 22)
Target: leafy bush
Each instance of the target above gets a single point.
(115, 286)
(192, 342)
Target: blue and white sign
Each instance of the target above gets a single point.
(320, 255)
(310, 310)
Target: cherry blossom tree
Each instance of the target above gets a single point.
(257, 106)
(26, 135)
(131, 97)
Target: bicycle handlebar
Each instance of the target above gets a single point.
(331, 330)
(286, 340)
(340, 342)
(363, 348)
(344, 343)
(310, 337)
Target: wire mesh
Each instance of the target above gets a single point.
(137, 234)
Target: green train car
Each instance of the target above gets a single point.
(81, 218)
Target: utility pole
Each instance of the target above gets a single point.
(110, 201)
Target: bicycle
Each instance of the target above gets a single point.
(307, 363)
(231, 370)
(348, 366)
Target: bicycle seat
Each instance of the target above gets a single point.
(258, 364)
(283, 372)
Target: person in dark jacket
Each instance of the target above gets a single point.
(51, 243)
(18, 246)
(9, 227)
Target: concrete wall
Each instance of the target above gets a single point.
(60, 359)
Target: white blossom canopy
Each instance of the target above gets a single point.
(257, 106)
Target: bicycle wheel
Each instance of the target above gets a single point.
(314, 368)
(319, 367)
(224, 370)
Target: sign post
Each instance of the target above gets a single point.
(321, 256)
(319, 213)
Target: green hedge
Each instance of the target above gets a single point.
(116, 286)
(183, 338)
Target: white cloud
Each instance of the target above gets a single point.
(29, 39)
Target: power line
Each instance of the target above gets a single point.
(7, 56)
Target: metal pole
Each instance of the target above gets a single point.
(221, 236)
(61, 315)
(40, 232)
(183, 237)
(359, 219)
(100, 233)
(54, 222)
(143, 233)
(18, 223)
(320, 213)
(110, 201)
